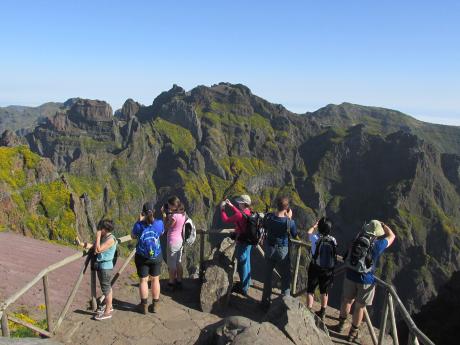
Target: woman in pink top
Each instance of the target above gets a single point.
(175, 219)
(243, 249)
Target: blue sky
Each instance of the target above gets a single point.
(303, 54)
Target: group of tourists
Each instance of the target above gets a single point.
(274, 230)
(148, 257)
(361, 258)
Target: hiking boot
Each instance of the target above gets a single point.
(321, 313)
(153, 308)
(142, 308)
(353, 335)
(341, 325)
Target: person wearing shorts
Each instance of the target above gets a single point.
(317, 275)
(104, 250)
(148, 256)
(175, 219)
(359, 288)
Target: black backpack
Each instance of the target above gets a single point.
(359, 257)
(253, 234)
(325, 255)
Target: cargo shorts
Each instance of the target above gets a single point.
(361, 293)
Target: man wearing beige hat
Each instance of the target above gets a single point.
(359, 284)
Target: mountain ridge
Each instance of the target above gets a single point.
(211, 142)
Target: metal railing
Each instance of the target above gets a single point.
(391, 304)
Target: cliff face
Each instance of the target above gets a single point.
(350, 162)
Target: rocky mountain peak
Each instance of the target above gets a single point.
(86, 110)
(129, 110)
(10, 139)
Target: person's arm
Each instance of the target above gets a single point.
(389, 234)
(313, 228)
(134, 232)
(232, 219)
(107, 244)
(293, 229)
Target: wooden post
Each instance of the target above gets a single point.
(93, 291)
(5, 328)
(394, 330)
(202, 242)
(370, 327)
(383, 321)
(296, 270)
(47, 303)
(72, 295)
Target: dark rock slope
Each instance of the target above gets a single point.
(350, 162)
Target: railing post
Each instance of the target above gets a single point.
(383, 321)
(47, 303)
(413, 339)
(202, 255)
(394, 330)
(370, 326)
(93, 291)
(296, 269)
(5, 328)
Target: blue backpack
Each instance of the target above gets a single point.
(149, 241)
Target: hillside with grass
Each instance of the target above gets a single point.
(349, 162)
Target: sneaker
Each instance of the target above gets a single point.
(142, 308)
(102, 316)
(101, 309)
(353, 335)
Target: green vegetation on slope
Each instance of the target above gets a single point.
(180, 138)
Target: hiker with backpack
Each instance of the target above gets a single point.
(174, 224)
(104, 249)
(322, 264)
(148, 256)
(279, 227)
(361, 261)
(243, 248)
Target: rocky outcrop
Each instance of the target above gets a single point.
(129, 110)
(10, 139)
(238, 330)
(295, 320)
(218, 278)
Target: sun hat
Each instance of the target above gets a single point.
(374, 227)
(244, 199)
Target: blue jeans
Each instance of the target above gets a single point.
(277, 256)
(243, 255)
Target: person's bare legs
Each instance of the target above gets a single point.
(310, 300)
(155, 288)
(358, 314)
(345, 308)
(108, 303)
(324, 299)
(144, 288)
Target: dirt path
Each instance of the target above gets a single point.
(21, 258)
